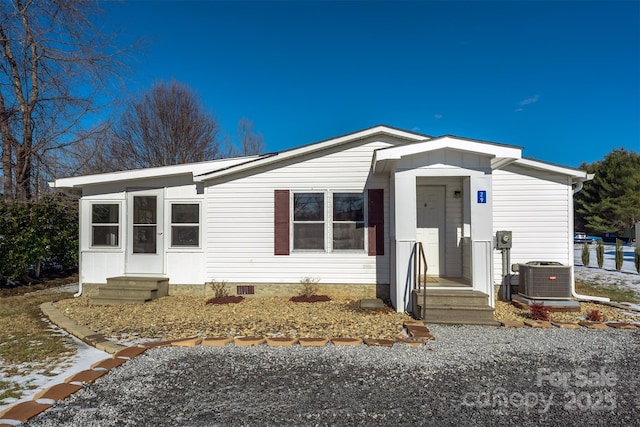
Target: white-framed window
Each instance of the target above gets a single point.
(105, 225)
(328, 221)
(309, 221)
(185, 225)
(348, 221)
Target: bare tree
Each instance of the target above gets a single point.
(54, 61)
(250, 142)
(166, 125)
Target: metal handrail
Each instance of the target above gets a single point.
(420, 270)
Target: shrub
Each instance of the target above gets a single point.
(585, 254)
(39, 233)
(594, 316)
(309, 286)
(219, 288)
(619, 255)
(538, 311)
(600, 253)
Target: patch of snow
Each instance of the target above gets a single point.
(33, 381)
(131, 340)
(627, 277)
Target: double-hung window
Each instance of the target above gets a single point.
(348, 221)
(345, 222)
(308, 221)
(329, 222)
(185, 225)
(105, 224)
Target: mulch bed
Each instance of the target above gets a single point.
(225, 300)
(311, 298)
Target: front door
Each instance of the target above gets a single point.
(145, 241)
(431, 226)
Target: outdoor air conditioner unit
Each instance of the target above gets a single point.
(545, 280)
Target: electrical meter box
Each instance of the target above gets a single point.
(503, 240)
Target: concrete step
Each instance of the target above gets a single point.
(138, 281)
(460, 315)
(131, 290)
(445, 306)
(98, 300)
(145, 293)
(454, 297)
(467, 322)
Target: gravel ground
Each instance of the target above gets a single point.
(470, 375)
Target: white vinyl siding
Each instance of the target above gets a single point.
(240, 214)
(536, 207)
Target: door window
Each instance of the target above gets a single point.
(144, 224)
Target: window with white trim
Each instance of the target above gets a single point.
(308, 221)
(105, 224)
(343, 221)
(185, 225)
(348, 221)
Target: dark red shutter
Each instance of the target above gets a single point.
(281, 223)
(376, 221)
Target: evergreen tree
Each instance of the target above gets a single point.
(585, 254)
(611, 201)
(600, 253)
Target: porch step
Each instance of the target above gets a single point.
(466, 307)
(130, 290)
(146, 293)
(138, 281)
(99, 300)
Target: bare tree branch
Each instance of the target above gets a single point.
(250, 142)
(54, 62)
(166, 125)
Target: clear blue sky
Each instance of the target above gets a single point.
(559, 78)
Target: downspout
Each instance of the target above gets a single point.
(576, 295)
(79, 293)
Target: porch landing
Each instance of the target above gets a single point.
(130, 290)
(457, 307)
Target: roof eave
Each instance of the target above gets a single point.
(577, 174)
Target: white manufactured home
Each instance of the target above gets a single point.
(354, 212)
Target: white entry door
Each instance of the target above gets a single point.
(145, 239)
(431, 226)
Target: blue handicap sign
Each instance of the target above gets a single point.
(482, 196)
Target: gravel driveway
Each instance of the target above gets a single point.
(468, 376)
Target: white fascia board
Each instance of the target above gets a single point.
(190, 169)
(578, 174)
(312, 148)
(447, 142)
